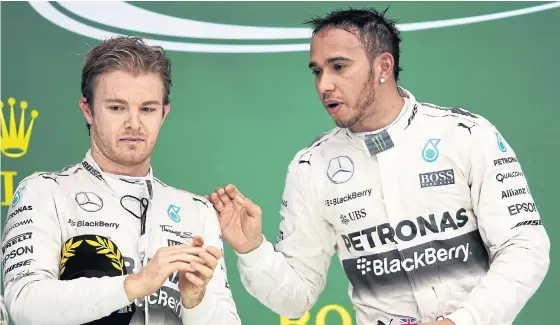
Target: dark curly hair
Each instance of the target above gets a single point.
(377, 32)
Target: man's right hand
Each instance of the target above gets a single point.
(240, 219)
(165, 262)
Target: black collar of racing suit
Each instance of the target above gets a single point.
(107, 182)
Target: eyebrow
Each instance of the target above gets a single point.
(124, 102)
(312, 64)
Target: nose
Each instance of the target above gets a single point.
(325, 84)
(133, 120)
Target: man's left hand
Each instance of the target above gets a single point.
(440, 322)
(192, 285)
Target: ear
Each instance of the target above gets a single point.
(86, 110)
(384, 64)
(166, 109)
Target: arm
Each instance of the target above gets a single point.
(511, 229)
(31, 250)
(289, 278)
(217, 306)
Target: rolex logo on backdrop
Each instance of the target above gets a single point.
(17, 122)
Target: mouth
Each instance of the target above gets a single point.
(132, 139)
(333, 106)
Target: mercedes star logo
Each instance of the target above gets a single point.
(89, 201)
(340, 169)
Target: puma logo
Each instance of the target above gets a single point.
(381, 323)
(460, 124)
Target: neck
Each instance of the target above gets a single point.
(385, 109)
(108, 166)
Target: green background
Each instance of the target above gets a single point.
(240, 118)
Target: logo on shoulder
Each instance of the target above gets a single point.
(27, 262)
(521, 207)
(173, 213)
(89, 201)
(501, 177)
(468, 128)
(23, 250)
(504, 161)
(17, 196)
(17, 224)
(501, 143)
(438, 178)
(514, 192)
(200, 200)
(15, 140)
(430, 152)
(340, 170)
(19, 210)
(537, 222)
(16, 240)
(21, 274)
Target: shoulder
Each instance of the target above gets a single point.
(46, 180)
(314, 150)
(171, 192)
(455, 119)
(325, 136)
(449, 113)
(466, 128)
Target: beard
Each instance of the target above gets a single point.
(366, 98)
(122, 154)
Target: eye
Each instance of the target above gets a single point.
(148, 109)
(315, 72)
(338, 67)
(115, 108)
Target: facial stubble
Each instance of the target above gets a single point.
(366, 98)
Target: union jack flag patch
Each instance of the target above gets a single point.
(409, 321)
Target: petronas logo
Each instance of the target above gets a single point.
(501, 143)
(430, 152)
(103, 19)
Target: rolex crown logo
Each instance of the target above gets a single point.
(15, 138)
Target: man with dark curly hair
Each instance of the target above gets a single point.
(426, 206)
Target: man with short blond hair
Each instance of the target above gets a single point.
(104, 241)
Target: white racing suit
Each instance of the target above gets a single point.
(431, 218)
(50, 208)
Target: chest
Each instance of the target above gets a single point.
(417, 187)
(91, 211)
